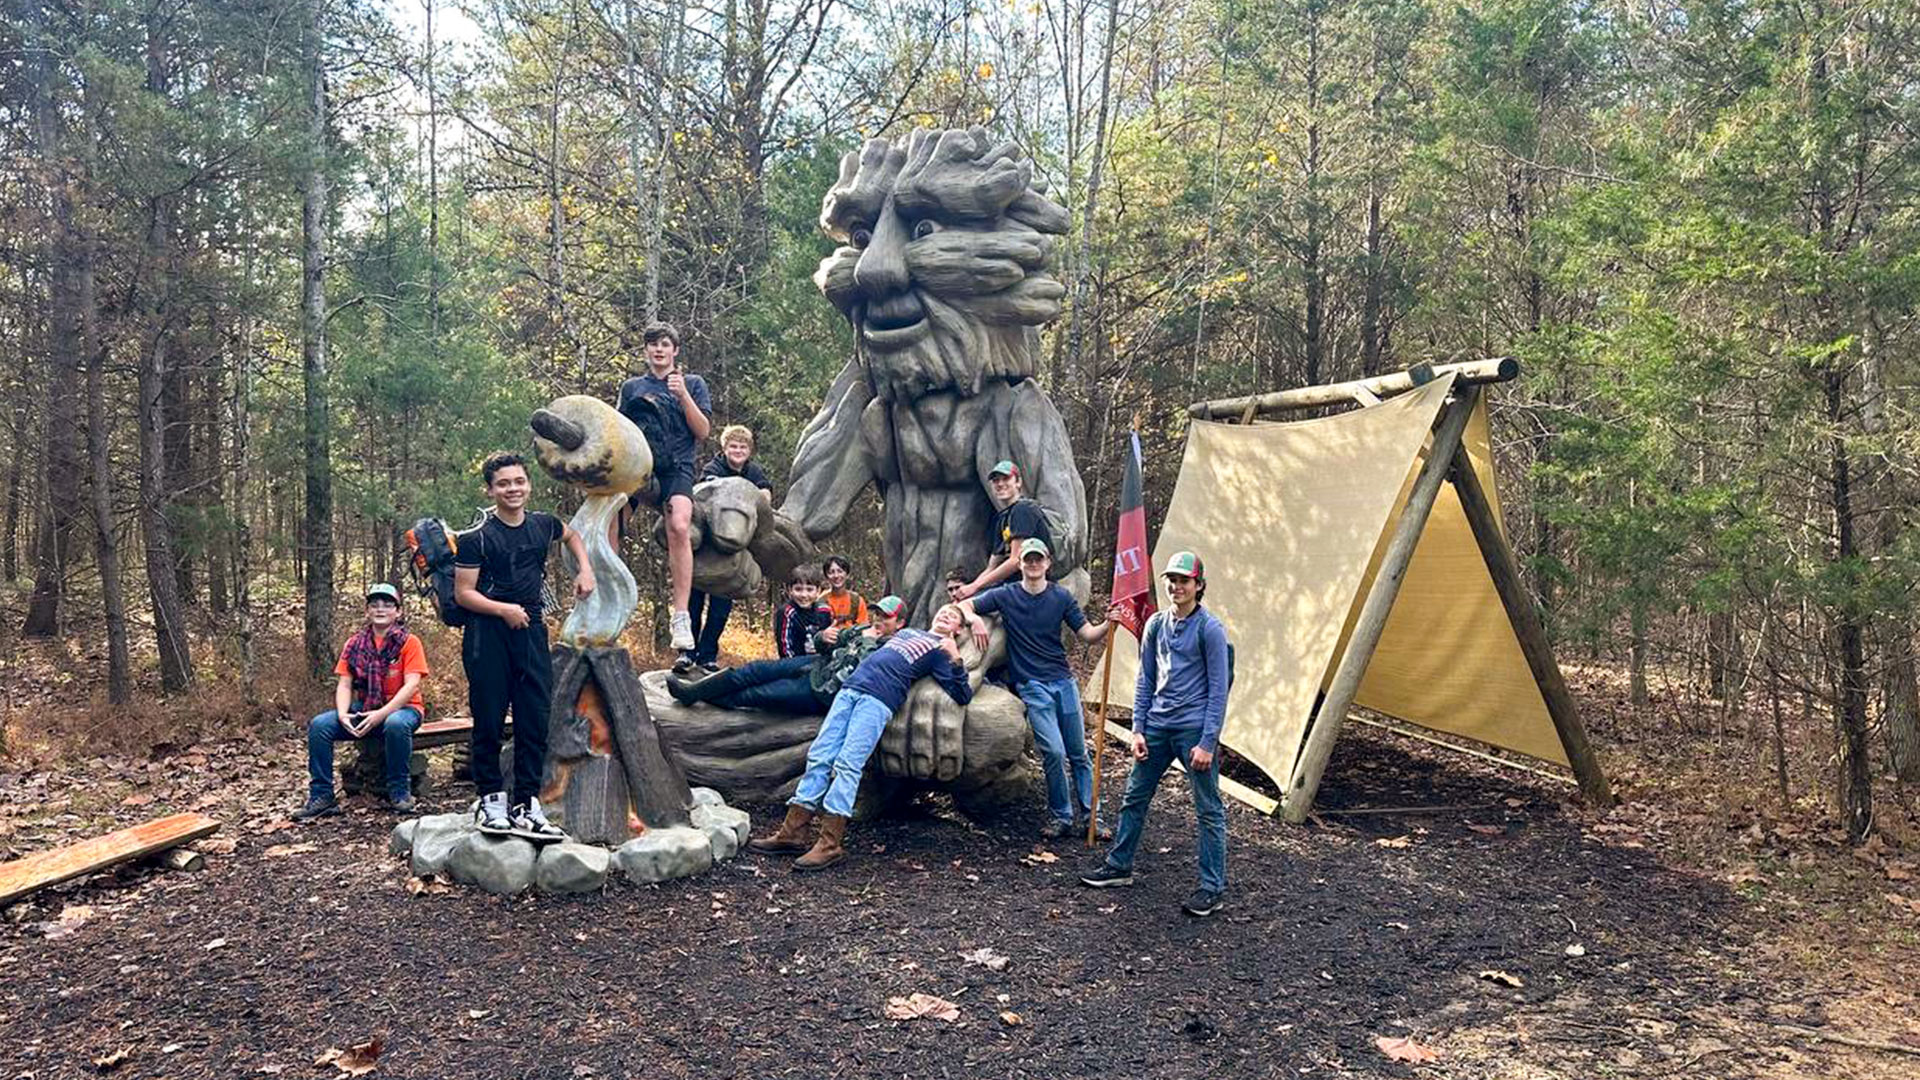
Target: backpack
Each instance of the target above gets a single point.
(1151, 635)
(1060, 536)
(433, 546)
(651, 418)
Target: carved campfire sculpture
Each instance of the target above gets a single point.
(607, 769)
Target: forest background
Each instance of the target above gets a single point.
(274, 275)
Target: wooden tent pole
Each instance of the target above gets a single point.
(1528, 629)
(1099, 743)
(1312, 762)
(1244, 409)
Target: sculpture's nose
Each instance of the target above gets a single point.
(882, 268)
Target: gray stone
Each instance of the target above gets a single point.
(499, 864)
(434, 838)
(401, 841)
(571, 868)
(739, 822)
(705, 796)
(665, 854)
(722, 839)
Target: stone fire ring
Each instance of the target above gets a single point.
(451, 846)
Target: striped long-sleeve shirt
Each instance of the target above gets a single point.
(894, 667)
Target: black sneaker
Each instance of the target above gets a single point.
(1106, 876)
(1054, 830)
(317, 807)
(710, 667)
(684, 666)
(1202, 903)
(405, 804)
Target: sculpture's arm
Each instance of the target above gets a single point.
(833, 463)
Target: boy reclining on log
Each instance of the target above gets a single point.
(801, 685)
(860, 712)
(382, 664)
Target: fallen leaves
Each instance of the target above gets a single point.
(917, 1005)
(72, 917)
(1486, 830)
(427, 886)
(281, 851)
(1910, 906)
(113, 1060)
(1395, 841)
(215, 845)
(1503, 978)
(986, 957)
(1011, 1018)
(1576, 949)
(1405, 1049)
(1039, 856)
(216, 943)
(358, 1060)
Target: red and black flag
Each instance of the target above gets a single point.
(1132, 575)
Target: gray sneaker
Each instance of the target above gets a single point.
(318, 806)
(530, 823)
(490, 814)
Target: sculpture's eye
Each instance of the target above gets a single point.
(860, 236)
(925, 228)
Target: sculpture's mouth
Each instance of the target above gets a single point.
(893, 322)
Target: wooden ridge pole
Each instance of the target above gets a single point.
(1312, 762)
(1244, 409)
(1099, 743)
(1528, 629)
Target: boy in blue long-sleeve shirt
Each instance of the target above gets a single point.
(1179, 704)
(860, 712)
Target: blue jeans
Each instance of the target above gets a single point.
(1164, 745)
(839, 753)
(707, 624)
(1060, 730)
(326, 729)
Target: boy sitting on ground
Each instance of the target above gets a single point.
(838, 755)
(380, 663)
(800, 685)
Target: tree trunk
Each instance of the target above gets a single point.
(1312, 270)
(1637, 655)
(169, 622)
(106, 545)
(316, 526)
(64, 462)
(1850, 677)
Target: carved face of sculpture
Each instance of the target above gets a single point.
(940, 268)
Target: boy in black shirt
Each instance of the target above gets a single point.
(497, 577)
(709, 611)
(685, 406)
(1019, 518)
(802, 616)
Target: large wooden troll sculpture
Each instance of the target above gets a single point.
(944, 240)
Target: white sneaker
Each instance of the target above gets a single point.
(490, 814)
(530, 822)
(682, 631)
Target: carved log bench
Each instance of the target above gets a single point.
(366, 771)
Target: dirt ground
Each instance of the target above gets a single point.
(1336, 934)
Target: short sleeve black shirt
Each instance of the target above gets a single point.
(1023, 519)
(512, 559)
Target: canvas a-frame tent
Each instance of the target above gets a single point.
(1359, 558)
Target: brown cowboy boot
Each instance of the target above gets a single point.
(826, 850)
(790, 838)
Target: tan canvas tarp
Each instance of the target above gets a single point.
(1290, 518)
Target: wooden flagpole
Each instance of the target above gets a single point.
(1099, 735)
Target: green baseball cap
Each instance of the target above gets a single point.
(384, 591)
(1004, 467)
(1186, 564)
(890, 606)
(1033, 545)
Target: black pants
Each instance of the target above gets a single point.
(708, 624)
(507, 667)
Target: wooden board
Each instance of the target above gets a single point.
(1228, 786)
(36, 872)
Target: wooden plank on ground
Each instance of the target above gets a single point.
(36, 872)
(442, 727)
(1228, 786)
